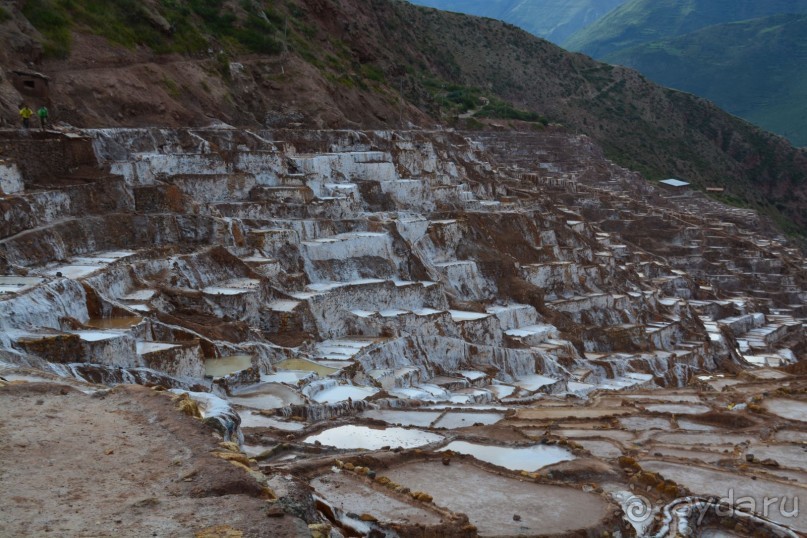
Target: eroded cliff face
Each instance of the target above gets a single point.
(373, 277)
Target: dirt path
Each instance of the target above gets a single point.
(124, 464)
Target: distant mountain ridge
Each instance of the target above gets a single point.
(642, 21)
(756, 69)
(553, 20)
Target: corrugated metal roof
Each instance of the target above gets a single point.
(674, 182)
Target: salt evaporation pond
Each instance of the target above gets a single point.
(677, 409)
(250, 419)
(452, 421)
(225, 366)
(529, 458)
(267, 396)
(421, 419)
(123, 322)
(305, 365)
(340, 393)
(791, 409)
(372, 439)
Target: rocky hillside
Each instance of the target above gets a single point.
(327, 63)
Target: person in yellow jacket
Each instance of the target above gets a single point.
(25, 114)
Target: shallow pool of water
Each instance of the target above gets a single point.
(305, 366)
(452, 421)
(225, 366)
(268, 396)
(373, 439)
(529, 458)
(340, 393)
(421, 419)
(124, 322)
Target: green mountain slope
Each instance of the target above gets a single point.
(755, 69)
(554, 20)
(643, 21)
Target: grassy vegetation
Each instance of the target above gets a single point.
(452, 100)
(173, 26)
(4, 15)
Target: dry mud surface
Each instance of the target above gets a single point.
(124, 464)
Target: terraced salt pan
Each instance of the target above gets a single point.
(342, 349)
(685, 424)
(287, 377)
(340, 393)
(452, 421)
(645, 423)
(123, 322)
(420, 419)
(678, 398)
(702, 455)
(103, 258)
(514, 458)
(475, 407)
(501, 391)
(236, 286)
(791, 436)
(283, 305)
(225, 366)
(98, 336)
(543, 413)
(532, 383)
(151, 347)
(83, 266)
(728, 485)
(425, 392)
(490, 500)
(267, 396)
(74, 272)
(304, 365)
(708, 439)
(617, 435)
(600, 449)
(349, 494)
(459, 315)
(472, 375)
(140, 295)
(678, 409)
(789, 409)
(251, 419)
(791, 456)
(351, 437)
(18, 284)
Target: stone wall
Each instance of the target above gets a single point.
(43, 156)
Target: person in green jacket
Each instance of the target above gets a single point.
(43, 117)
(25, 114)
